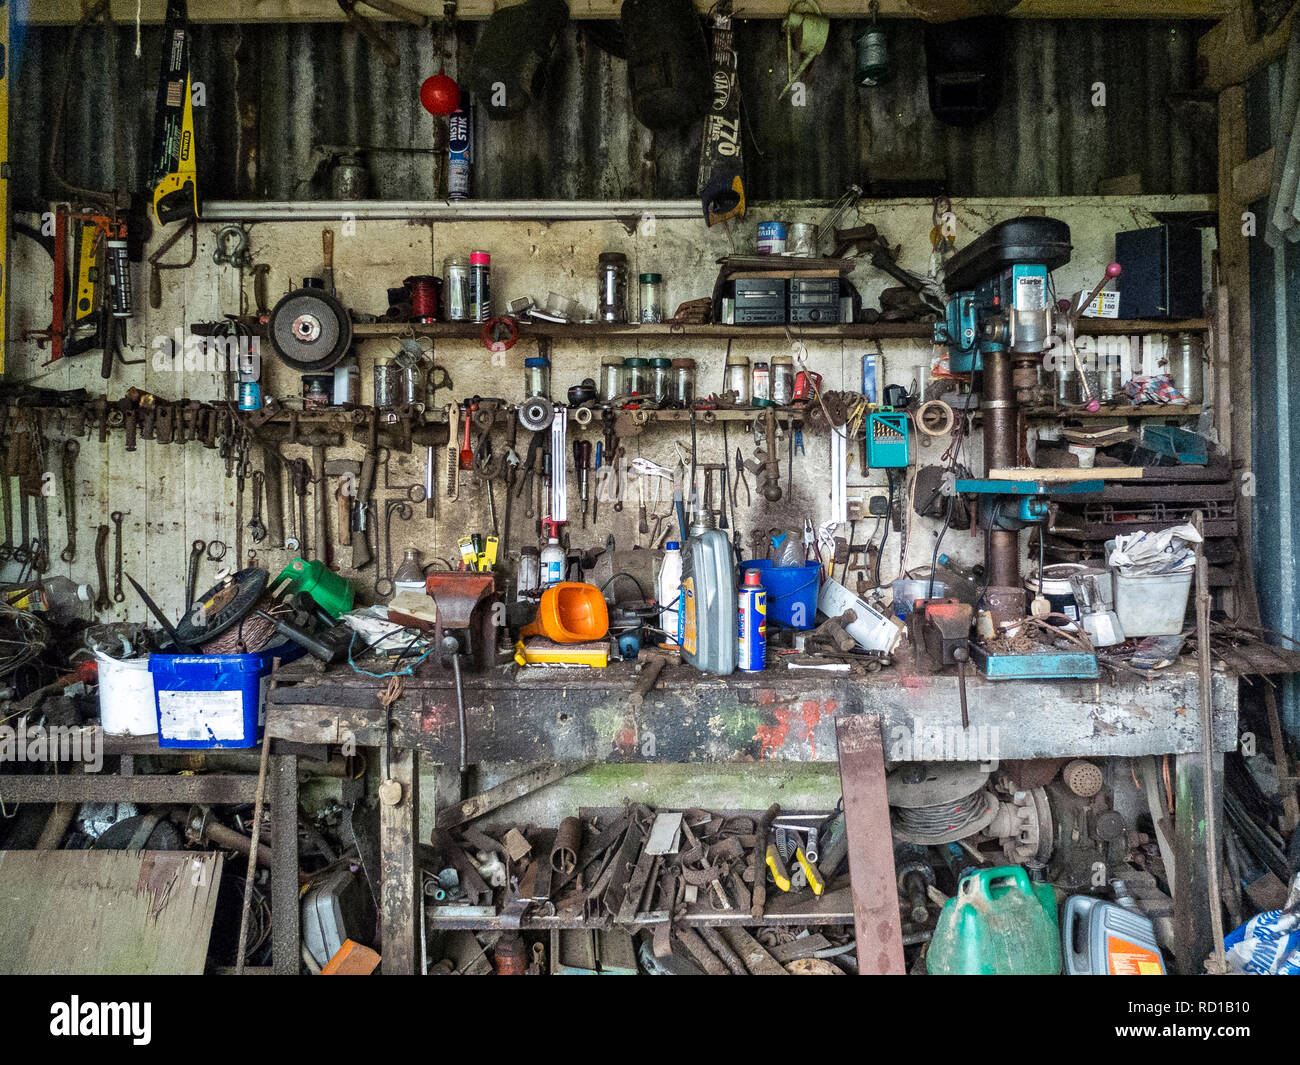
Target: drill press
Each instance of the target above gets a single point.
(998, 322)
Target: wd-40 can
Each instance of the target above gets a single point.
(752, 628)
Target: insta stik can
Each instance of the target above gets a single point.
(752, 628)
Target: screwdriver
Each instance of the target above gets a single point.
(581, 463)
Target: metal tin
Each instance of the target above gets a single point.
(480, 286)
(782, 380)
(771, 238)
(801, 240)
(317, 390)
(388, 383)
(250, 395)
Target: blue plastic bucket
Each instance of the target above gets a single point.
(791, 591)
(211, 701)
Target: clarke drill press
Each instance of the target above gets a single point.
(998, 323)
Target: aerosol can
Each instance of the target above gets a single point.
(552, 558)
(751, 632)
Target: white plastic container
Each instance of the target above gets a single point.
(1154, 605)
(668, 591)
(872, 629)
(126, 696)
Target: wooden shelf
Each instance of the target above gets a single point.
(1146, 410)
(828, 333)
(593, 332)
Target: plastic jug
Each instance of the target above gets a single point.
(999, 924)
(709, 601)
(1101, 938)
(669, 592)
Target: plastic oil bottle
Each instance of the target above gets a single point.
(669, 590)
(552, 558)
(708, 600)
(1103, 938)
(751, 624)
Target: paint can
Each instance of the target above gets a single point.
(771, 238)
(751, 632)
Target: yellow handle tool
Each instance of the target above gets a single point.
(811, 871)
(774, 863)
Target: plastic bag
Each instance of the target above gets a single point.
(1269, 943)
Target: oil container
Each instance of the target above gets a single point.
(999, 924)
(1105, 939)
(709, 602)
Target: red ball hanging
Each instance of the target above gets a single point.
(440, 94)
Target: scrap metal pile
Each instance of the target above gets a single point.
(681, 882)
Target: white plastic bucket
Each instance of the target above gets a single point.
(126, 697)
(1153, 605)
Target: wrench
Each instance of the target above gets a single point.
(118, 594)
(197, 548)
(256, 526)
(102, 602)
(384, 584)
(71, 449)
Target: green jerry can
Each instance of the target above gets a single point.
(999, 924)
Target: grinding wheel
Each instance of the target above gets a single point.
(310, 330)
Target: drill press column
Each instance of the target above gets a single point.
(1004, 598)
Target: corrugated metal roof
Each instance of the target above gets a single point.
(324, 83)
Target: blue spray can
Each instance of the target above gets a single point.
(751, 631)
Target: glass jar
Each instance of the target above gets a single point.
(611, 304)
(782, 380)
(684, 383)
(761, 389)
(410, 574)
(636, 377)
(455, 288)
(611, 378)
(1187, 365)
(537, 377)
(652, 298)
(737, 378)
(661, 378)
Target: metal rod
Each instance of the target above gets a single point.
(442, 210)
(258, 799)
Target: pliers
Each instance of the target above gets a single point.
(740, 480)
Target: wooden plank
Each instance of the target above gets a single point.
(876, 921)
(1252, 179)
(1229, 52)
(44, 12)
(505, 792)
(1193, 941)
(107, 912)
(1100, 473)
(285, 914)
(108, 787)
(400, 896)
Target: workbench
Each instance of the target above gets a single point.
(538, 715)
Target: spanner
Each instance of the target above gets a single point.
(256, 526)
(192, 579)
(102, 602)
(118, 594)
(71, 449)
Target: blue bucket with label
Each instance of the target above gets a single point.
(791, 592)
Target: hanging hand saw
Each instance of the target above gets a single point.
(174, 176)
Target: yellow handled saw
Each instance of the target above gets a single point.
(175, 178)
